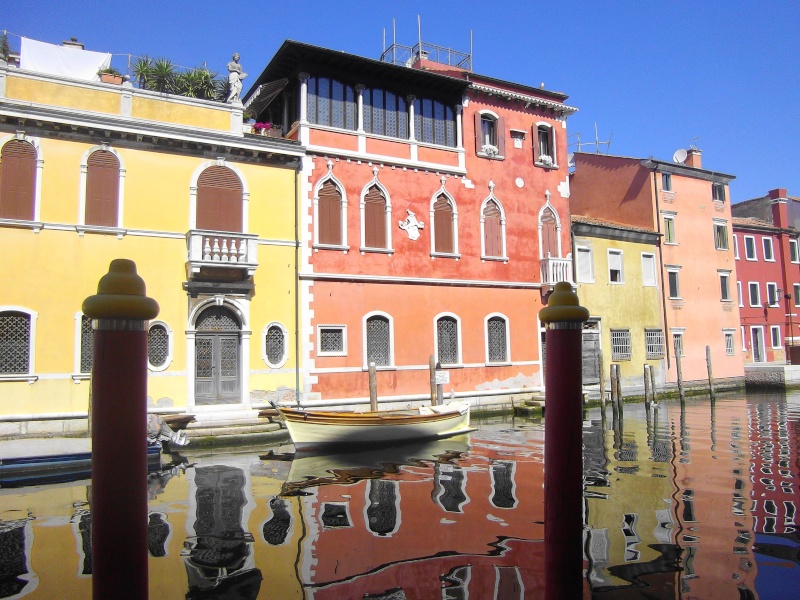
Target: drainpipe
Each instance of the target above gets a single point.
(667, 340)
(297, 171)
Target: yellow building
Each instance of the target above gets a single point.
(617, 278)
(90, 172)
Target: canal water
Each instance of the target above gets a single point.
(685, 502)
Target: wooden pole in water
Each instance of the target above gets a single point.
(120, 312)
(373, 387)
(602, 384)
(710, 373)
(653, 383)
(612, 372)
(563, 439)
(432, 367)
(646, 380)
(679, 371)
(620, 399)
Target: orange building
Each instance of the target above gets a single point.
(435, 220)
(689, 208)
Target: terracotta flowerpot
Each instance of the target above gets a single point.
(111, 78)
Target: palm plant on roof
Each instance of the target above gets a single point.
(162, 76)
(143, 70)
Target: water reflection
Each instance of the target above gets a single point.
(694, 500)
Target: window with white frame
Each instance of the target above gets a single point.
(666, 182)
(755, 293)
(793, 252)
(677, 342)
(750, 248)
(797, 294)
(620, 344)
(159, 346)
(735, 246)
(648, 269)
(332, 340)
(728, 336)
(772, 294)
(489, 138)
(545, 146)
(615, 271)
(654, 343)
(275, 346)
(724, 285)
(669, 227)
(584, 266)
(769, 255)
(673, 281)
(739, 293)
(718, 192)
(720, 235)
(379, 340)
(496, 339)
(447, 340)
(775, 335)
(744, 339)
(86, 345)
(16, 342)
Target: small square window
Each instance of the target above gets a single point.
(768, 252)
(750, 248)
(718, 192)
(620, 344)
(518, 137)
(654, 342)
(720, 236)
(666, 182)
(332, 340)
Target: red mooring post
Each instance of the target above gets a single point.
(119, 312)
(563, 444)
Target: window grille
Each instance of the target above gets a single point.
(434, 122)
(378, 341)
(275, 345)
(677, 343)
(217, 318)
(331, 340)
(729, 343)
(654, 343)
(620, 344)
(497, 339)
(447, 338)
(15, 338)
(86, 344)
(157, 346)
(204, 357)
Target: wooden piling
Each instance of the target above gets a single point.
(653, 383)
(373, 387)
(602, 383)
(620, 399)
(710, 373)
(614, 403)
(432, 367)
(679, 371)
(646, 380)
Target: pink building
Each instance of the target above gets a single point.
(689, 208)
(768, 274)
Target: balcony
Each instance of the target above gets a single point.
(555, 270)
(221, 252)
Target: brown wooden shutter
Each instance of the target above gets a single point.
(374, 219)
(329, 213)
(549, 235)
(478, 141)
(500, 134)
(102, 189)
(492, 231)
(17, 180)
(219, 200)
(535, 140)
(443, 225)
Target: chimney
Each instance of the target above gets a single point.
(73, 43)
(778, 193)
(694, 158)
(780, 210)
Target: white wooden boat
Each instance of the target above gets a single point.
(313, 429)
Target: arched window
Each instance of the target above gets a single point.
(275, 336)
(496, 340)
(379, 341)
(490, 141)
(493, 230)
(329, 215)
(219, 200)
(448, 347)
(158, 346)
(102, 189)
(548, 227)
(15, 342)
(18, 180)
(375, 218)
(443, 227)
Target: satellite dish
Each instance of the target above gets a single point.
(679, 156)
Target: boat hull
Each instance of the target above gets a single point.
(314, 429)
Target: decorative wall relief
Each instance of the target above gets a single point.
(411, 225)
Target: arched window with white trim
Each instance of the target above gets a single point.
(544, 145)
(493, 229)
(490, 137)
(18, 180)
(330, 212)
(102, 189)
(444, 216)
(378, 339)
(498, 346)
(17, 340)
(219, 200)
(448, 339)
(376, 214)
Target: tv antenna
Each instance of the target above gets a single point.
(596, 143)
(693, 144)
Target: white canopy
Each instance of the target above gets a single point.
(62, 60)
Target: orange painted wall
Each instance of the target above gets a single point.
(344, 141)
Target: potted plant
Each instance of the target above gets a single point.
(110, 75)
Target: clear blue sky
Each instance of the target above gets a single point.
(653, 76)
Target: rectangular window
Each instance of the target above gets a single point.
(735, 246)
(585, 269)
(648, 269)
(674, 283)
(750, 248)
(666, 182)
(677, 343)
(728, 341)
(332, 340)
(772, 295)
(654, 342)
(755, 293)
(669, 229)
(721, 236)
(744, 339)
(15, 342)
(620, 344)
(87, 337)
(724, 289)
(775, 334)
(615, 272)
(718, 192)
(768, 253)
(739, 293)
(793, 251)
(797, 294)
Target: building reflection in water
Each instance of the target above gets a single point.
(17, 578)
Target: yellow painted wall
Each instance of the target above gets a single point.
(630, 305)
(176, 112)
(85, 97)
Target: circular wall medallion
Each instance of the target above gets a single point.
(519, 182)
